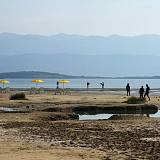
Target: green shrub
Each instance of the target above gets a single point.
(135, 100)
(18, 96)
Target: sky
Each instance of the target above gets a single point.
(84, 17)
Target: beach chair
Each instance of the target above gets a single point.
(67, 91)
(33, 90)
(5, 90)
(58, 91)
(40, 90)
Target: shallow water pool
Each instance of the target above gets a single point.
(107, 116)
(156, 115)
(95, 117)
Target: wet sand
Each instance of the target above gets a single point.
(32, 136)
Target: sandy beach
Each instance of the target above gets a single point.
(32, 135)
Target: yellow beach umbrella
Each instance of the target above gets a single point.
(63, 81)
(3, 81)
(37, 81)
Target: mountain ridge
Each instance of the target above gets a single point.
(13, 44)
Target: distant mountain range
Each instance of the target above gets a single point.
(112, 56)
(47, 75)
(13, 44)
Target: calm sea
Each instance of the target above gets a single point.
(81, 83)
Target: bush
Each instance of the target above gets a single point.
(135, 100)
(18, 96)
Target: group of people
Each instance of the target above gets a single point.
(146, 93)
(143, 93)
(88, 84)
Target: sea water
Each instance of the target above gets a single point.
(81, 83)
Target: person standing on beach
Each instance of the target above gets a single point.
(57, 84)
(102, 84)
(147, 92)
(88, 85)
(141, 92)
(128, 89)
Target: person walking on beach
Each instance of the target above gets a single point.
(128, 89)
(147, 92)
(141, 92)
(88, 85)
(102, 84)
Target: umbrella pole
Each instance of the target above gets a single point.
(63, 88)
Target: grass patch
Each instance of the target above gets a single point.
(18, 96)
(135, 100)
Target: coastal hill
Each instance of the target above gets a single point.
(33, 74)
(48, 75)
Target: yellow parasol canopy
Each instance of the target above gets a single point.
(3, 81)
(63, 81)
(37, 81)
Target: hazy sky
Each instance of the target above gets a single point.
(87, 17)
